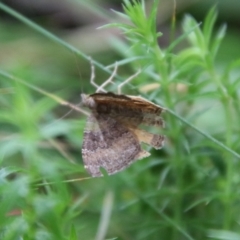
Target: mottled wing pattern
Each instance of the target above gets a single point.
(109, 144)
(136, 103)
(132, 111)
(112, 138)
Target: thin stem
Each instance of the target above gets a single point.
(50, 95)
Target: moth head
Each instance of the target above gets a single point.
(88, 101)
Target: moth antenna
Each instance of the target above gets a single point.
(109, 80)
(127, 81)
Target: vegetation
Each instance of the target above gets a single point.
(187, 190)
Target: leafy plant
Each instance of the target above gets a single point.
(189, 190)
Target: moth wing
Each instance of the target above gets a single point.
(109, 144)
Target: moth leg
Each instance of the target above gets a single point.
(109, 80)
(128, 80)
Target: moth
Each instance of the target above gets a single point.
(112, 136)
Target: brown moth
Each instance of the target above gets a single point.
(112, 137)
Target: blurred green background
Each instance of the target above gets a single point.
(197, 198)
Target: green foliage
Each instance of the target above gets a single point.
(188, 190)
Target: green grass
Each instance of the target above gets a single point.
(187, 190)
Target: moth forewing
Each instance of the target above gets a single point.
(112, 138)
